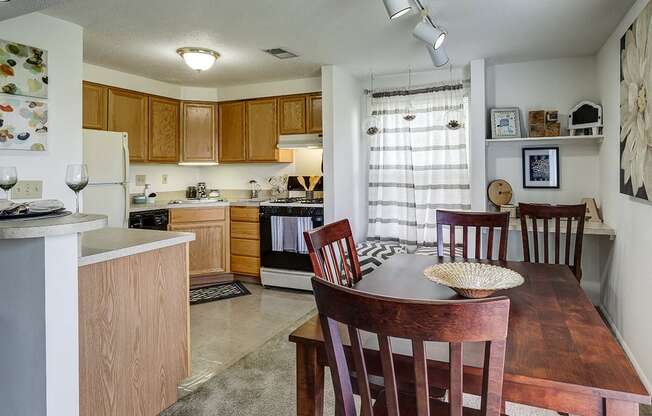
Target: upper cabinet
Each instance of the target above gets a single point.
(292, 114)
(314, 113)
(232, 132)
(198, 132)
(164, 121)
(128, 112)
(262, 130)
(94, 105)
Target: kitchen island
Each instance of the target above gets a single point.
(133, 320)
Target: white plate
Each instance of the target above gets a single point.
(45, 205)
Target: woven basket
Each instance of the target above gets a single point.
(474, 280)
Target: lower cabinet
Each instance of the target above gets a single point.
(209, 255)
(245, 241)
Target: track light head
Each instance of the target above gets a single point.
(397, 8)
(429, 33)
(439, 56)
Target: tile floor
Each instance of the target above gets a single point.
(222, 332)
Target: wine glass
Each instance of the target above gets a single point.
(8, 178)
(77, 179)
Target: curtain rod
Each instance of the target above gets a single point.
(442, 86)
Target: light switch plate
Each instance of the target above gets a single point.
(164, 179)
(27, 190)
(141, 180)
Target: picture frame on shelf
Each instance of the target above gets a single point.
(506, 123)
(541, 168)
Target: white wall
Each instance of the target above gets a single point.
(269, 89)
(627, 284)
(545, 85)
(63, 41)
(345, 184)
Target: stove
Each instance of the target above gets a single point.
(283, 267)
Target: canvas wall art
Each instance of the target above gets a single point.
(23, 70)
(23, 123)
(635, 119)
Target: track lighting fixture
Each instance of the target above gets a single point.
(397, 8)
(439, 56)
(429, 33)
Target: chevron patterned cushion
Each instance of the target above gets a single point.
(373, 253)
(432, 251)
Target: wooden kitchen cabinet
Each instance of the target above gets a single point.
(94, 106)
(128, 112)
(314, 117)
(262, 130)
(292, 114)
(199, 132)
(164, 126)
(210, 252)
(232, 135)
(245, 241)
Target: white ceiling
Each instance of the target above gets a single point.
(19, 7)
(141, 36)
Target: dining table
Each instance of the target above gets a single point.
(560, 353)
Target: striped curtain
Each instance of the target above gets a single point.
(419, 166)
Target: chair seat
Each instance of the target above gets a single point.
(408, 407)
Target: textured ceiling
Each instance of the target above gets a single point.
(19, 7)
(141, 36)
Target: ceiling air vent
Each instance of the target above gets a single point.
(280, 53)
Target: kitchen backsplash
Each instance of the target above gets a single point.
(307, 162)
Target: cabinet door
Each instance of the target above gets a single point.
(314, 114)
(163, 130)
(209, 252)
(198, 132)
(292, 114)
(128, 113)
(232, 136)
(262, 130)
(94, 105)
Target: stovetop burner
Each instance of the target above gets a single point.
(297, 200)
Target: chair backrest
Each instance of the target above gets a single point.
(541, 213)
(454, 322)
(479, 220)
(333, 254)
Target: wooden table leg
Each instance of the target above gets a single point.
(310, 382)
(620, 408)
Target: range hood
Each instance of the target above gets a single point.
(300, 141)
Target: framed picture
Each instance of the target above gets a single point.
(635, 161)
(541, 167)
(505, 123)
(23, 70)
(23, 123)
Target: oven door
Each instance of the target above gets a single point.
(284, 259)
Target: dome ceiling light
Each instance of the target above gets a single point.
(199, 59)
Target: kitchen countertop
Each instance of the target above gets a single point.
(112, 243)
(167, 205)
(36, 228)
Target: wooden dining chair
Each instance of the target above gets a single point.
(477, 220)
(453, 322)
(541, 213)
(333, 254)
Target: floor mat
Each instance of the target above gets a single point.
(217, 292)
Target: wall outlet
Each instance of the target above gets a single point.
(164, 179)
(141, 180)
(27, 190)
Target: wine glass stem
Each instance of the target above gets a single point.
(76, 202)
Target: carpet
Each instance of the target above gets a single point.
(263, 383)
(217, 292)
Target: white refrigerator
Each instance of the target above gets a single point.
(106, 154)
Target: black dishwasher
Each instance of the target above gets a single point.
(149, 220)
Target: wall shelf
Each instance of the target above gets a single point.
(549, 140)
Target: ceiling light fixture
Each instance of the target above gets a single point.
(439, 56)
(429, 33)
(199, 59)
(397, 8)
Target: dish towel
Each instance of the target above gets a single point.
(290, 234)
(277, 233)
(303, 224)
